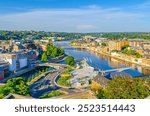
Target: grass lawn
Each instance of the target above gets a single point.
(52, 94)
(64, 78)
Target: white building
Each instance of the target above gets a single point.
(22, 59)
(11, 59)
(23, 62)
(16, 61)
(12, 63)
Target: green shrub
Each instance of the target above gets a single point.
(52, 94)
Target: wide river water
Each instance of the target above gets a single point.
(101, 61)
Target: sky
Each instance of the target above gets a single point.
(75, 15)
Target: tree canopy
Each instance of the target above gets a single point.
(16, 85)
(53, 51)
(44, 57)
(31, 46)
(16, 35)
(126, 88)
(70, 60)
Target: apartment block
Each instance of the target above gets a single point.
(117, 44)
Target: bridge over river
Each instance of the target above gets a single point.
(99, 61)
(112, 70)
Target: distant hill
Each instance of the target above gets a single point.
(32, 35)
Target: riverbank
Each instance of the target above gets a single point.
(109, 55)
(103, 61)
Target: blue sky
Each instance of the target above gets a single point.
(75, 15)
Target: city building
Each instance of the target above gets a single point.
(43, 47)
(6, 45)
(88, 38)
(136, 42)
(11, 59)
(42, 41)
(146, 46)
(22, 60)
(117, 44)
(147, 54)
(17, 48)
(32, 55)
(16, 61)
(138, 49)
(4, 70)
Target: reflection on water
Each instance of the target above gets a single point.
(103, 62)
(115, 63)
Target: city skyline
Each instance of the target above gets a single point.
(75, 16)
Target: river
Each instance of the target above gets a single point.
(102, 62)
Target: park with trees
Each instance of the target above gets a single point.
(65, 77)
(15, 85)
(52, 52)
(70, 61)
(32, 78)
(123, 88)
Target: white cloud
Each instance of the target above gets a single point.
(92, 18)
(86, 27)
(145, 5)
(93, 6)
